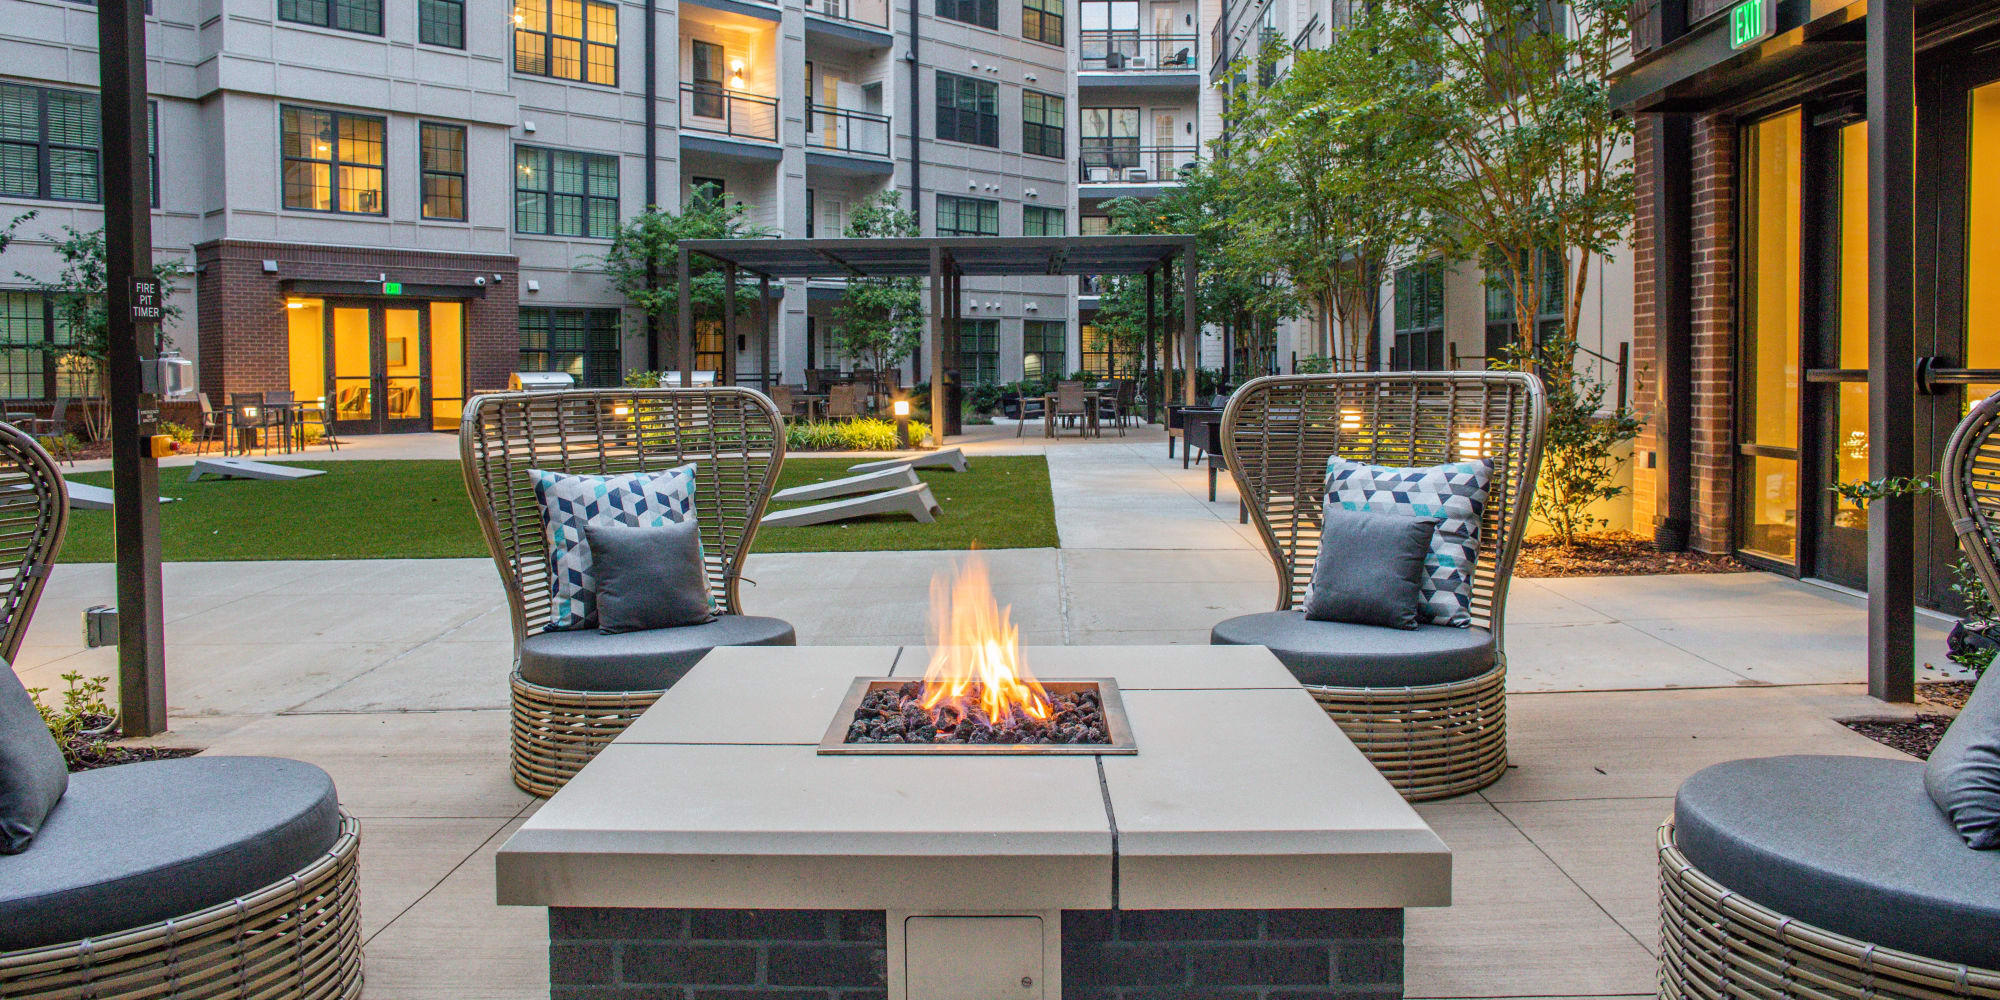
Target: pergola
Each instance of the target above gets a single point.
(946, 261)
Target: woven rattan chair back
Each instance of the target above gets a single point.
(781, 397)
(1279, 431)
(844, 400)
(732, 436)
(1970, 480)
(34, 511)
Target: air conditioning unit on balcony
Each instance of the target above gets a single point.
(1138, 175)
(1114, 60)
(1097, 175)
(1141, 62)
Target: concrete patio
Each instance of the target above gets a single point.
(392, 676)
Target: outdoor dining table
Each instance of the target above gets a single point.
(1091, 400)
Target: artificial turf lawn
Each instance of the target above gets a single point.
(418, 510)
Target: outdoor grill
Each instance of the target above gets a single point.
(540, 381)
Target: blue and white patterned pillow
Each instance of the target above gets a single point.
(569, 502)
(1455, 493)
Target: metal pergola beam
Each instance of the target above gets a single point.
(1892, 372)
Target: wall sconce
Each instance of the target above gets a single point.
(295, 303)
(736, 74)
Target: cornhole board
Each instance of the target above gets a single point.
(83, 496)
(867, 482)
(915, 501)
(944, 458)
(243, 468)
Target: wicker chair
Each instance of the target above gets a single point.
(187, 903)
(736, 443)
(1431, 739)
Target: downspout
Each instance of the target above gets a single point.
(652, 175)
(917, 181)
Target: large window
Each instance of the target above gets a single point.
(1042, 21)
(441, 22)
(567, 39)
(558, 192)
(1042, 120)
(979, 351)
(710, 100)
(1419, 318)
(442, 163)
(1101, 357)
(968, 110)
(1093, 225)
(1767, 354)
(1037, 220)
(1042, 348)
(985, 13)
(333, 161)
(1110, 138)
(967, 216)
(48, 144)
(364, 16)
(32, 337)
(582, 342)
(1501, 322)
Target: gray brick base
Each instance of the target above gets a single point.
(630, 954)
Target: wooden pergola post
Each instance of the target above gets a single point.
(727, 376)
(684, 321)
(937, 347)
(765, 379)
(1154, 388)
(1190, 322)
(1892, 372)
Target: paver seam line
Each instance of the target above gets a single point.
(426, 894)
(440, 637)
(1111, 818)
(293, 713)
(1615, 922)
(1063, 606)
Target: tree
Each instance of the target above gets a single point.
(77, 294)
(645, 255)
(880, 321)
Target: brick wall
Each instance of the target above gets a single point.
(636, 954)
(1714, 321)
(1246, 954)
(244, 334)
(1646, 387)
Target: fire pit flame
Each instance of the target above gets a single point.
(977, 652)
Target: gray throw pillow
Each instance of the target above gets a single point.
(650, 577)
(32, 773)
(1963, 776)
(1370, 568)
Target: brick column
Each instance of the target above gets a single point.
(1646, 383)
(1714, 314)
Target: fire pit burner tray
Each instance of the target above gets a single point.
(1120, 730)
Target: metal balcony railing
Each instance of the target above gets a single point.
(709, 108)
(1130, 51)
(872, 13)
(1119, 161)
(842, 130)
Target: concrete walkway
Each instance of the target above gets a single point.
(391, 675)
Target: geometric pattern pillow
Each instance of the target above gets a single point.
(1454, 493)
(569, 502)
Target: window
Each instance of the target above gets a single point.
(1110, 138)
(984, 13)
(1500, 320)
(582, 342)
(1042, 348)
(1042, 21)
(332, 161)
(364, 16)
(562, 193)
(713, 188)
(32, 333)
(48, 144)
(1103, 357)
(153, 148)
(567, 39)
(1419, 320)
(441, 22)
(1039, 221)
(709, 96)
(1768, 328)
(1093, 225)
(967, 216)
(442, 163)
(979, 351)
(968, 110)
(1042, 123)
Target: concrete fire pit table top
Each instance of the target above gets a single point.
(1242, 795)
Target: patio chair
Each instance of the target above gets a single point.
(1073, 400)
(1426, 706)
(229, 877)
(317, 412)
(1032, 407)
(214, 426)
(574, 691)
(54, 428)
(844, 401)
(781, 397)
(250, 420)
(1970, 480)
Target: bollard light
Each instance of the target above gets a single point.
(901, 408)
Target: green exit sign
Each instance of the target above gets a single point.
(1751, 22)
(392, 288)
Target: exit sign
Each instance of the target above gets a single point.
(1751, 22)
(392, 288)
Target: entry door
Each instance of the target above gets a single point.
(1839, 386)
(379, 372)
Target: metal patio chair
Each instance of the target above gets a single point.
(55, 428)
(575, 691)
(1428, 707)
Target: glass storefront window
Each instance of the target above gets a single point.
(1982, 256)
(1850, 445)
(1768, 329)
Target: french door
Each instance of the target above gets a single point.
(379, 366)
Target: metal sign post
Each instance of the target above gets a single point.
(133, 311)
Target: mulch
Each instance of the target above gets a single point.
(1917, 736)
(1613, 553)
(90, 750)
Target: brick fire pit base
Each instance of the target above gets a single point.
(600, 953)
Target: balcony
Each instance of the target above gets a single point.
(865, 13)
(1125, 162)
(734, 113)
(1132, 52)
(839, 130)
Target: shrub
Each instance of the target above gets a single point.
(865, 434)
(59, 444)
(1314, 364)
(181, 435)
(82, 715)
(1580, 459)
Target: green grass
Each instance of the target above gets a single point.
(418, 510)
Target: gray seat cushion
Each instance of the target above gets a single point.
(651, 660)
(1963, 774)
(138, 843)
(1852, 844)
(33, 773)
(1339, 654)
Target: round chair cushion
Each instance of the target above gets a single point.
(136, 844)
(1850, 844)
(1337, 654)
(649, 660)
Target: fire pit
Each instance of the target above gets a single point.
(886, 715)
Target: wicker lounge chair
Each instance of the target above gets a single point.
(1428, 707)
(575, 691)
(234, 877)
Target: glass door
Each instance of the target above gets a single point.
(1840, 382)
(350, 351)
(1768, 375)
(379, 362)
